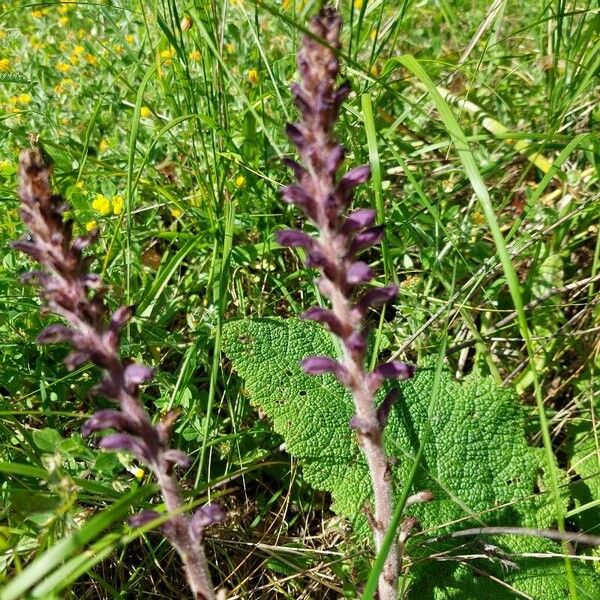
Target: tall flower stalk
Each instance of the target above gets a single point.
(324, 197)
(70, 291)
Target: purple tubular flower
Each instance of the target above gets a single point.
(327, 317)
(117, 442)
(296, 135)
(299, 171)
(295, 194)
(359, 272)
(383, 412)
(359, 219)
(205, 517)
(319, 365)
(370, 237)
(294, 238)
(77, 296)
(376, 297)
(109, 419)
(54, 334)
(395, 370)
(143, 518)
(136, 374)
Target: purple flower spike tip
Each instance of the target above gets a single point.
(54, 334)
(177, 457)
(119, 442)
(136, 374)
(355, 177)
(377, 297)
(109, 419)
(367, 238)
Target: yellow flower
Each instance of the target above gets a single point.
(90, 59)
(79, 185)
(101, 204)
(62, 21)
(23, 98)
(230, 48)
(240, 181)
(91, 225)
(4, 65)
(145, 112)
(13, 100)
(63, 67)
(37, 14)
(175, 212)
(195, 56)
(4, 164)
(253, 76)
(73, 59)
(139, 473)
(78, 50)
(130, 38)
(373, 34)
(103, 146)
(118, 202)
(118, 49)
(358, 4)
(81, 33)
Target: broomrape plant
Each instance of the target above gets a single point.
(71, 292)
(324, 198)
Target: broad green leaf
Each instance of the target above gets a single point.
(478, 463)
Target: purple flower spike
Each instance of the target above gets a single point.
(70, 291)
(367, 238)
(299, 171)
(327, 317)
(208, 515)
(295, 239)
(319, 365)
(359, 272)
(109, 419)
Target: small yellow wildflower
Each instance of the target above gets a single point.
(240, 181)
(253, 76)
(145, 112)
(62, 46)
(175, 212)
(90, 59)
(4, 65)
(73, 59)
(63, 9)
(81, 33)
(63, 67)
(103, 146)
(91, 225)
(79, 185)
(373, 34)
(167, 55)
(37, 13)
(118, 49)
(358, 4)
(130, 38)
(101, 204)
(230, 48)
(139, 473)
(63, 21)
(118, 202)
(23, 98)
(5, 164)
(2, 34)
(59, 89)
(78, 50)
(13, 100)
(195, 56)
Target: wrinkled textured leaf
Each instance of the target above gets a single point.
(477, 463)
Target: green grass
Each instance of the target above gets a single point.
(492, 234)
